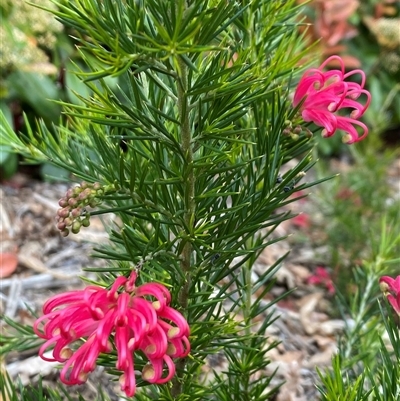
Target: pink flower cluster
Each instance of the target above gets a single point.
(329, 92)
(133, 318)
(391, 288)
(322, 277)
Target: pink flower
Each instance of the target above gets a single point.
(133, 318)
(301, 220)
(326, 93)
(322, 277)
(391, 288)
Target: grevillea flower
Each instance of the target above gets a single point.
(391, 288)
(301, 220)
(322, 277)
(327, 93)
(84, 323)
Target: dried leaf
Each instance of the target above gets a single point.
(8, 264)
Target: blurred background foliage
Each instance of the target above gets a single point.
(37, 60)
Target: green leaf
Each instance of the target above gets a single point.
(74, 84)
(38, 91)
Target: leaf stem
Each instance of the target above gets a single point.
(189, 202)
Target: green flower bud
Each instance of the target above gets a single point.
(93, 203)
(76, 191)
(85, 222)
(76, 227)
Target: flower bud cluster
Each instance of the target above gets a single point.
(73, 213)
(295, 132)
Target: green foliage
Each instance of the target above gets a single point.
(367, 366)
(22, 338)
(337, 387)
(8, 159)
(181, 124)
(353, 206)
(11, 390)
(386, 382)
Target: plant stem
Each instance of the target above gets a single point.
(248, 293)
(190, 205)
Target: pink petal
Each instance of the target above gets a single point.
(329, 59)
(354, 72)
(112, 293)
(175, 317)
(138, 325)
(105, 328)
(308, 80)
(62, 299)
(128, 381)
(392, 285)
(155, 345)
(347, 124)
(73, 371)
(156, 290)
(153, 373)
(147, 310)
(322, 118)
(179, 347)
(122, 337)
(395, 302)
